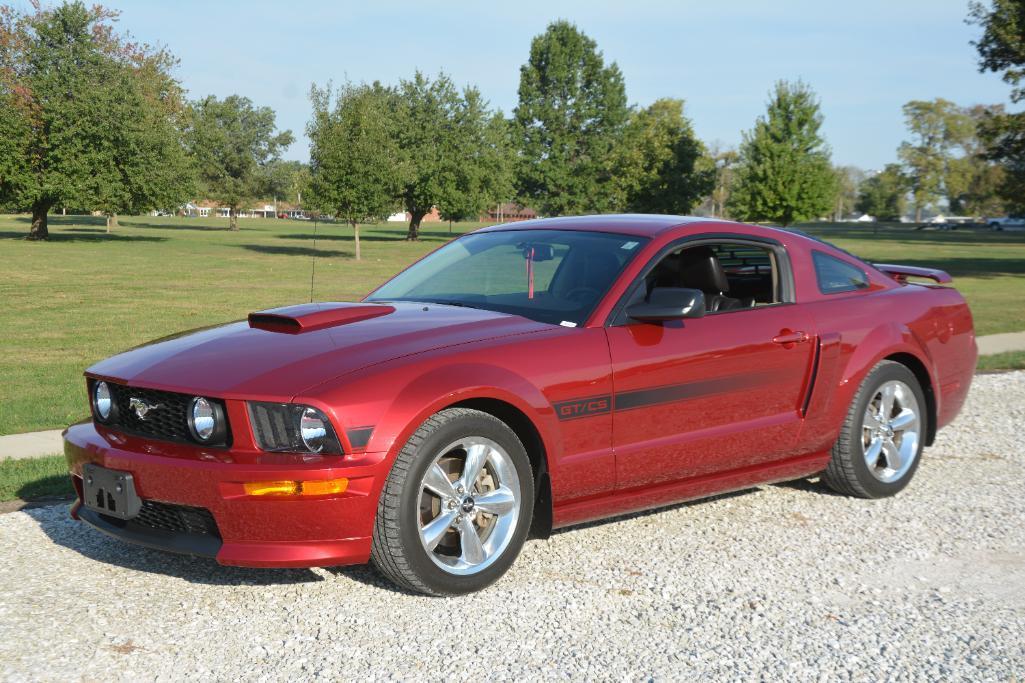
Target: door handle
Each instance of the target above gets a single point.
(788, 338)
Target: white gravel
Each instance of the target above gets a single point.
(780, 582)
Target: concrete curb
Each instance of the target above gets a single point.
(38, 444)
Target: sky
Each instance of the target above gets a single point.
(865, 59)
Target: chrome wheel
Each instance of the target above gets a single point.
(891, 431)
(469, 505)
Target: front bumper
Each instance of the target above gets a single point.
(250, 531)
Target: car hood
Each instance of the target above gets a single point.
(238, 360)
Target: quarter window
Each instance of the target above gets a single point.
(835, 275)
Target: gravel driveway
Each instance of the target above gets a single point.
(781, 581)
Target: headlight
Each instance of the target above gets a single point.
(292, 428)
(103, 404)
(206, 421)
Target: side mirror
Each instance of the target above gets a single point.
(669, 303)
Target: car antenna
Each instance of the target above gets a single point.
(313, 269)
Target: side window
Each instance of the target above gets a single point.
(835, 275)
(733, 275)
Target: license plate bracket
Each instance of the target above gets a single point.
(110, 492)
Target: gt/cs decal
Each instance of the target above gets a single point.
(583, 407)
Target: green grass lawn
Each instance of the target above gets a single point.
(35, 479)
(87, 294)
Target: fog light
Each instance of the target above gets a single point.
(313, 487)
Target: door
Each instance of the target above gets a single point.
(722, 392)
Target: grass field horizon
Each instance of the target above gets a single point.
(85, 294)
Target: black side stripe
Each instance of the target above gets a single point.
(641, 398)
(359, 437)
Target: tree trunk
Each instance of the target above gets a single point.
(233, 219)
(918, 213)
(355, 232)
(414, 224)
(111, 221)
(39, 230)
(450, 227)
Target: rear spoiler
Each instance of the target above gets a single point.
(902, 273)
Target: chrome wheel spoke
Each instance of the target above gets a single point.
(436, 529)
(476, 456)
(892, 454)
(906, 419)
(497, 502)
(472, 549)
(871, 420)
(873, 451)
(438, 483)
(887, 396)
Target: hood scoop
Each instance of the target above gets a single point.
(309, 317)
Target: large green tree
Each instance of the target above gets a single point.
(571, 114)
(88, 118)
(938, 128)
(283, 179)
(450, 146)
(232, 141)
(972, 182)
(1002, 49)
(357, 166)
(663, 166)
(784, 174)
(884, 195)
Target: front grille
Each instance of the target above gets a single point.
(176, 519)
(166, 422)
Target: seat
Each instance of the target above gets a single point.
(699, 268)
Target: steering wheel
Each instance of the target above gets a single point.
(583, 294)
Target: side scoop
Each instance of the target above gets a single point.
(315, 316)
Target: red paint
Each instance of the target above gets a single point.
(751, 396)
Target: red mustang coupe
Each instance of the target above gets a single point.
(522, 378)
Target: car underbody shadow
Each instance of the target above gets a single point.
(57, 524)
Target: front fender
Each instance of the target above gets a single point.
(441, 387)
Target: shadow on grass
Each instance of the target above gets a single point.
(52, 487)
(371, 237)
(294, 251)
(85, 235)
(178, 226)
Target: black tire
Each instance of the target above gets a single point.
(397, 551)
(847, 472)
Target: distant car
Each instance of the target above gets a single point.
(1006, 223)
(521, 378)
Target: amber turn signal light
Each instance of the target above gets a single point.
(313, 487)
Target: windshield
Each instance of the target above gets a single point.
(552, 276)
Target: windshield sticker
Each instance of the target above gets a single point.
(567, 323)
(629, 245)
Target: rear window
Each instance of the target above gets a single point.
(835, 275)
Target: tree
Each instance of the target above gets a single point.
(450, 144)
(784, 174)
(570, 118)
(938, 127)
(232, 141)
(848, 180)
(724, 160)
(488, 179)
(663, 166)
(357, 167)
(884, 195)
(281, 179)
(87, 117)
(973, 182)
(1002, 49)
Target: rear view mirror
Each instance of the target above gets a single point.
(669, 303)
(537, 252)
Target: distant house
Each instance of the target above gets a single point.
(205, 208)
(508, 212)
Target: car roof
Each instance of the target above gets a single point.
(642, 224)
